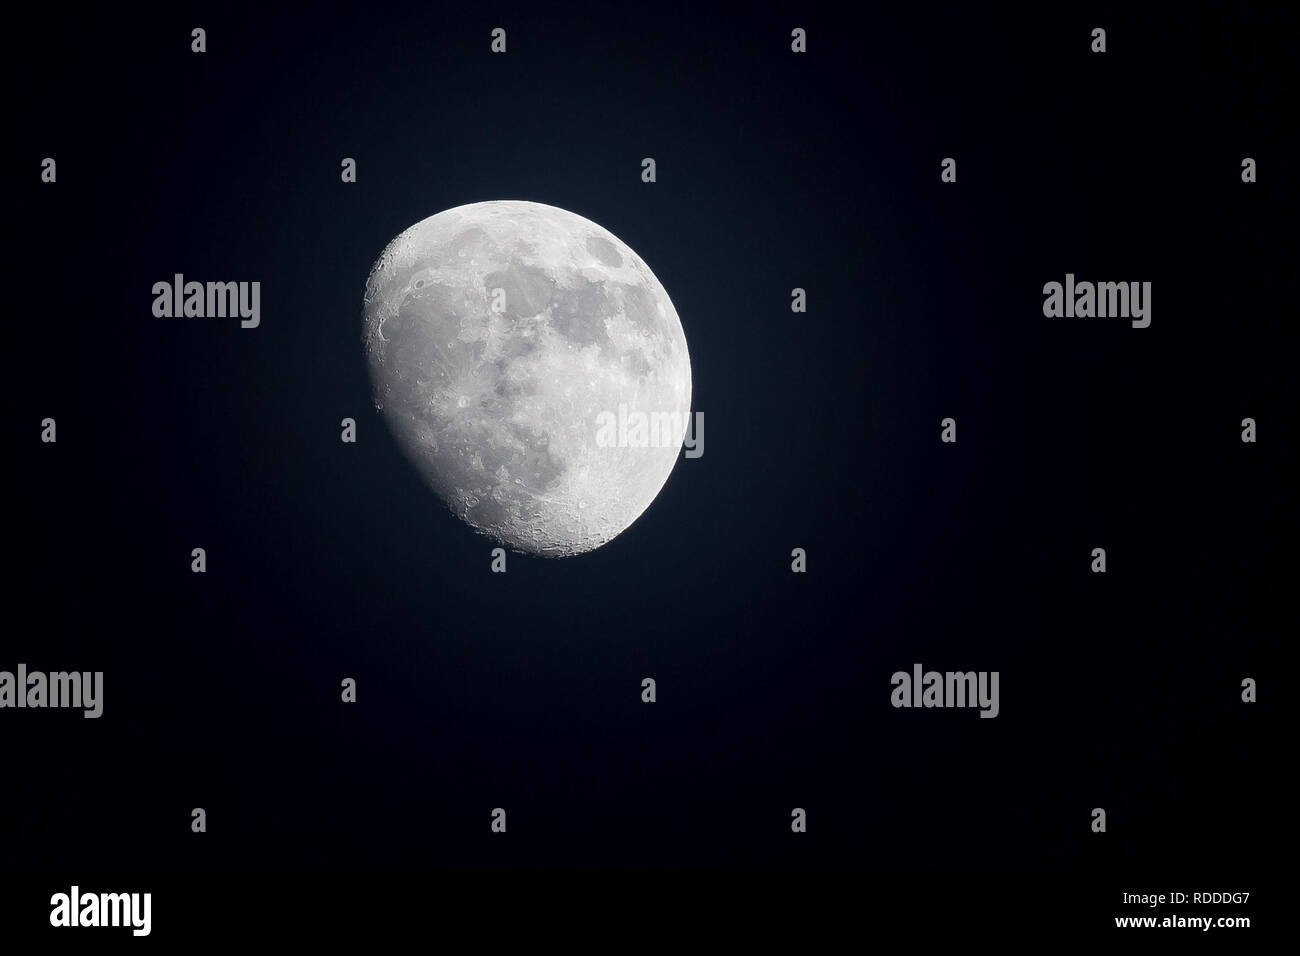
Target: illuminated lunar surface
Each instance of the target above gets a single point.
(504, 341)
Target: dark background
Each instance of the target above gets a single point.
(522, 691)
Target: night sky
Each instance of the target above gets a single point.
(822, 431)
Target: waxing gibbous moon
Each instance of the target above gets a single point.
(532, 368)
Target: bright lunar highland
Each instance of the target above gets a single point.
(532, 368)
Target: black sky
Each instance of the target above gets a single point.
(822, 431)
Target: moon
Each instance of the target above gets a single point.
(533, 370)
